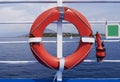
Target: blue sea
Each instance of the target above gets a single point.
(22, 52)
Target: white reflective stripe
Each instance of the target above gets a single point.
(88, 39)
(36, 39)
(61, 68)
(60, 3)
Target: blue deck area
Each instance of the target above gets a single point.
(65, 80)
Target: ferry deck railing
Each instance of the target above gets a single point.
(59, 33)
(55, 1)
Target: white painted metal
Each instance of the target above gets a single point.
(31, 22)
(59, 48)
(62, 63)
(29, 62)
(13, 42)
(23, 42)
(104, 22)
(20, 42)
(16, 22)
(55, 1)
(61, 68)
(108, 61)
(17, 62)
(88, 39)
(113, 61)
(59, 39)
(111, 40)
(60, 3)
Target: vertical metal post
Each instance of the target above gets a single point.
(59, 48)
(60, 3)
(106, 35)
(59, 39)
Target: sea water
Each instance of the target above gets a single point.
(22, 52)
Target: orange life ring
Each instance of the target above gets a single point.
(53, 14)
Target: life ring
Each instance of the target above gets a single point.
(53, 14)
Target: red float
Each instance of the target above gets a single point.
(100, 50)
(53, 14)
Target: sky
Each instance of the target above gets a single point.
(29, 12)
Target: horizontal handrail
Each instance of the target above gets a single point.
(30, 22)
(111, 40)
(16, 22)
(20, 42)
(64, 1)
(107, 61)
(17, 62)
(32, 62)
(23, 42)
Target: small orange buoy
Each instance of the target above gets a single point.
(100, 50)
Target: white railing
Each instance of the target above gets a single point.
(30, 22)
(24, 42)
(64, 1)
(54, 1)
(59, 31)
(32, 62)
